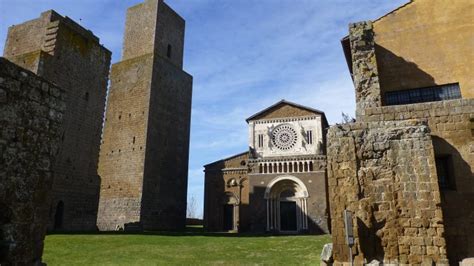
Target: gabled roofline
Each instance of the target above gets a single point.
(394, 10)
(226, 159)
(289, 103)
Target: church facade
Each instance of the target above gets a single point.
(279, 185)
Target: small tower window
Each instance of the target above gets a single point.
(86, 96)
(168, 51)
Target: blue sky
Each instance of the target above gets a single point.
(244, 55)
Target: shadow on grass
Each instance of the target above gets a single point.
(188, 231)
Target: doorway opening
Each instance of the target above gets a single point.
(59, 216)
(228, 217)
(288, 216)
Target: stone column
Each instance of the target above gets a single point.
(364, 65)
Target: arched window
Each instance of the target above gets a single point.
(290, 169)
(311, 166)
(301, 167)
(280, 168)
(285, 167)
(265, 168)
(260, 168)
(306, 166)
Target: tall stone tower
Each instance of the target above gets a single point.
(144, 154)
(62, 52)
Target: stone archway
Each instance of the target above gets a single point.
(287, 209)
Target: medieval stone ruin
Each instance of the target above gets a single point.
(404, 169)
(53, 88)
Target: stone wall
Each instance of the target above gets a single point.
(61, 51)
(451, 124)
(31, 114)
(218, 191)
(364, 66)
(384, 172)
(316, 203)
(385, 55)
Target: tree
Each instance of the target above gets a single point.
(347, 118)
(191, 211)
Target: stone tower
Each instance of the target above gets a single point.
(64, 53)
(143, 161)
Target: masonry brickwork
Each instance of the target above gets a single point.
(61, 51)
(219, 191)
(365, 72)
(384, 172)
(391, 161)
(144, 153)
(31, 115)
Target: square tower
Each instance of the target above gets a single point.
(61, 51)
(144, 154)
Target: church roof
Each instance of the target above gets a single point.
(285, 102)
(227, 159)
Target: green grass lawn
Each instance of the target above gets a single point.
(184, 248)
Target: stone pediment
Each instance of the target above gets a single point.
(283, 109)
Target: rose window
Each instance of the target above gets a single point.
(284, 137)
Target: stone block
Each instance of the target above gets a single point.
(25, 169)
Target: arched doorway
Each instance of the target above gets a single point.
(59, 215)
(230, 212)
(286, 205)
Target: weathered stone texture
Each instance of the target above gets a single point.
(384, 172)
(402, 64)
(451, 124)
(364, 66)
(31, 115)
(144, 154)
(61, 51)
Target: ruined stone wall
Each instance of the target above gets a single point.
(384, 172)
(399, 63)
(144, 155)
(31, 113)
(364, 66)
(61, 51)
(451, 124)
